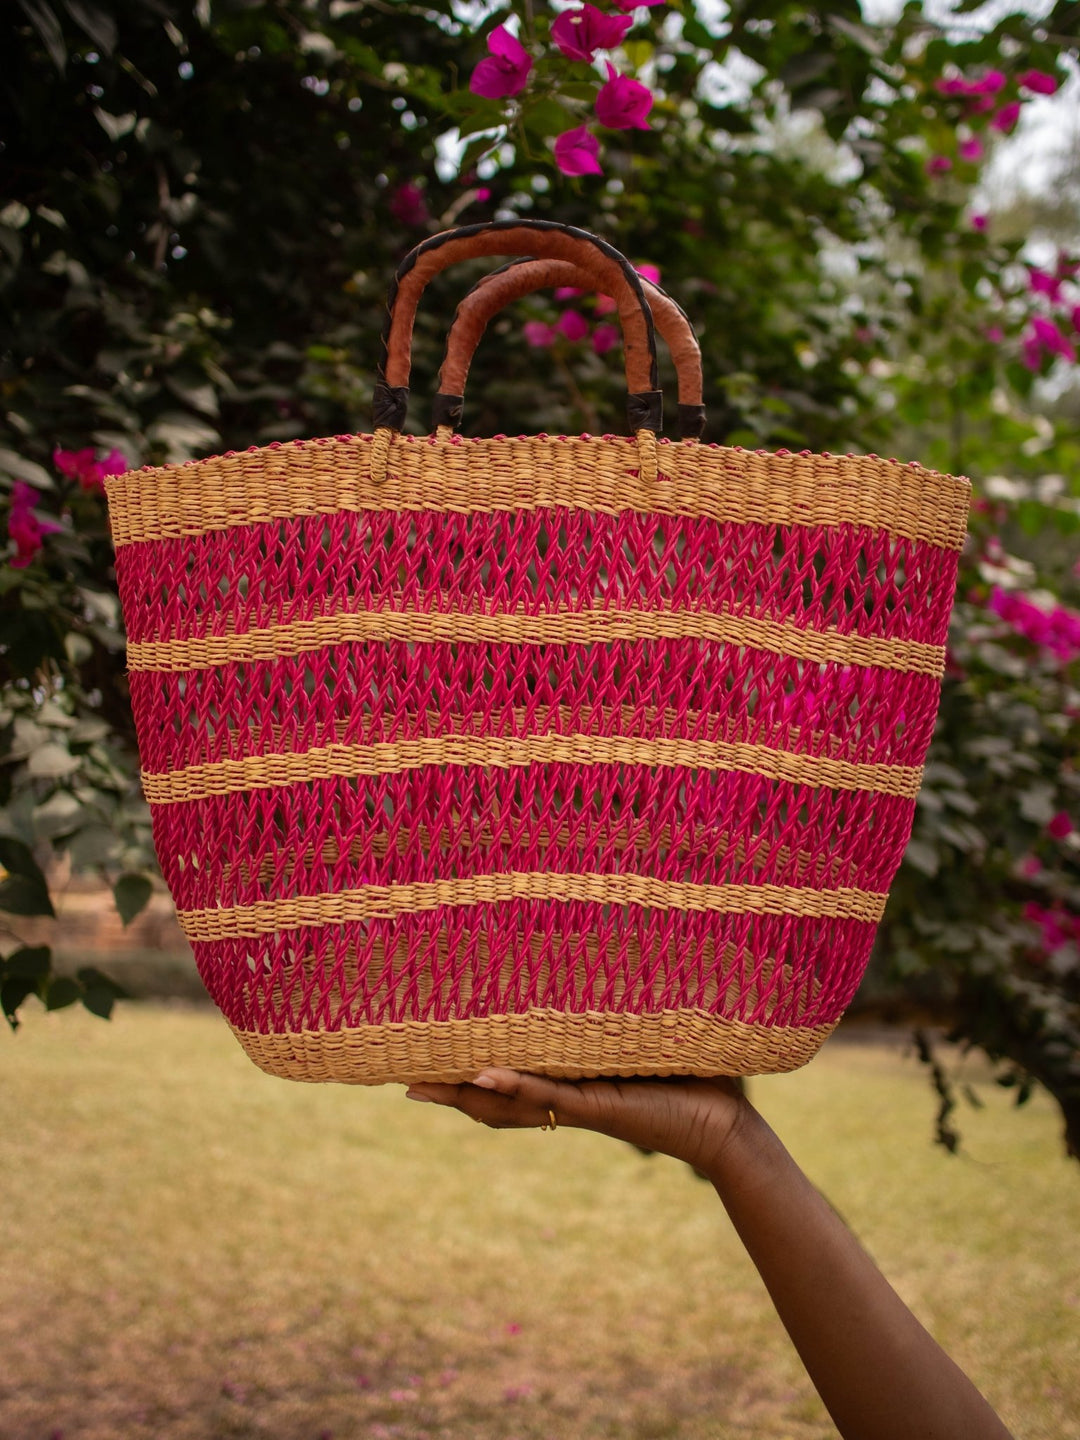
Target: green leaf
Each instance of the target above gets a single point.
(46, 24)
(97, 23)
(20, 895)
(22, 469)
(100, 993)
(31, 962)
(63, 991)
(132, 894)
(12, 994)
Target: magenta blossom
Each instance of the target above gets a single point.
(1043, 284)
(1058, 926)
(1037, 81)
(605, 338)
(979, 222)
(649, 272)
(576, 152)
(938, 165)
(573, 325)
(408, 206)
(992, 82)
(539, 334)
(1060, 826)
(87, 469)
(1056, 630)
(505, 72)
(580, 33)
(1075, 318)
(972, 149)
(994, 334)
(622, 103)
(568, 292)
(1051, 337)
(25, 527)
(604, 305)
(1006, 117)
(633, 4)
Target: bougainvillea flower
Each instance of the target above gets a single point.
(573, 325)
(539, 334)
(622, 103)
(979, 222)
(972, 149)
(568, 292)
(649, 272)
(576, 152)
(1075, 317)
(408, 206)
(1006, 117)
(605, 338)
(26, 528)
(505, 71)
(990, 84)
(1056, 629)
(1044, 284)
(1049, 335)
(87, 469)
(604, 305)
(938, 165)
(995, 334)
(1060, 826)
(633, 4)
(580, 33)
(1038, 81)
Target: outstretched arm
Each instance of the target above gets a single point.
(879, 1373)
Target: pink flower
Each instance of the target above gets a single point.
(633, 4)
(979, 222)
(1056, 630)
(83, 466)
(990, 84)
(604, 305)
(1075, 318)
(505, 71)
(622, 103)
(1060, 826)
(972, 149)
(1038, 81)
(568, 292)
(994, 334)
(1006, 117)
(605, 338)
(539, 334)
(408, 206)
(1031, 352)
(649, 272)
(580, 33)
(1043, 284)
(576, 152)
(573, 325)
(1051, 338)
(26, 528)
(483, 195)
(938, 165)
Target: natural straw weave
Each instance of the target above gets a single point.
(582, 755)
(519, 757)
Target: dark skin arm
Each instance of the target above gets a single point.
(879, 1373)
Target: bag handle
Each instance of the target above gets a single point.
(609, 272)
(521, 277)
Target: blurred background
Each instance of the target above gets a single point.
(872, 216)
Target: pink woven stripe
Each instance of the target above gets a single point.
(355, 694)
(671, 824)
(847, 577)
(397, 970)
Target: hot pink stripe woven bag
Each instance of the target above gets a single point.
(586, 755)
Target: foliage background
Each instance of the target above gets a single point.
(202, 205)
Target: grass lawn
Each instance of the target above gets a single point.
(193, 1250)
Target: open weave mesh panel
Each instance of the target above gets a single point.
(416, 765)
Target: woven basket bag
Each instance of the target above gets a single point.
(581, 754)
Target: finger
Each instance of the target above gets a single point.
(506, 1098)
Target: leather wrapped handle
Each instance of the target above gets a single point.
(521, 277)
(606, 269)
